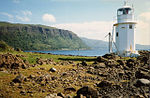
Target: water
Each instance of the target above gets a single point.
(76, 52)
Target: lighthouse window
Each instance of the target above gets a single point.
(130, 27)
(124, 11)
(117, 34)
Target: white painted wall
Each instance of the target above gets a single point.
(125, 39)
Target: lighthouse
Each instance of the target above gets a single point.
(125, 31)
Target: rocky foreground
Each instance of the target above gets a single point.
(108, 76)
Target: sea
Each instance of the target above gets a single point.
(94, 52)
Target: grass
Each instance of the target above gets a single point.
(31, 57)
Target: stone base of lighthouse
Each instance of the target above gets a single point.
(128, 53)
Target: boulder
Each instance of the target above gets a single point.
(111, 63)
(100, 65)
(121, 62)
(70, 89)
(131, 63)
(101, 59)
(87, 92)
(84, 63)
(142, 74)
(32, 76)
(104, 84)
(142, 82)
(53, 96)
(19, 79)
(61, 95)
(10, 62)
(111, 56)
(44, 78)
(23, 92)
(52, 70)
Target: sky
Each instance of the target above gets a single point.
(87, 18)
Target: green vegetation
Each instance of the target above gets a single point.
(4, 47)
(39, 37)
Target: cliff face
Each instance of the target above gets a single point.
(39, 37)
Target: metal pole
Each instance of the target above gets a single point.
(110, 45)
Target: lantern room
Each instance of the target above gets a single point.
(125, 14)
(124, 11)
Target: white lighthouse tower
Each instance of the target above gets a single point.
(125, 31)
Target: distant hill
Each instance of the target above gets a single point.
(39, 37)
(95, 44)
(99, 44)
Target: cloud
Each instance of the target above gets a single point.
(94, 30)
(48, 18)
(24, 19)
(143, 33)
(99, 29)
(143, 28)
(16, 1)
(27, 13)
(24, 15)
(8, 15)
(145, 16)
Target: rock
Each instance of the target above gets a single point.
(64, 74)
(101, 59)
(141, 74)
(31, 95)
(84, 63)
(100, 65)
(42, 68)
(68, 96)
(19, 79)
(139, 96)
(32, 76)
(88, 92)
(104, 84)
(44, 78)
(9, 61)
(53, 70)
(18, 49)
(52, 96)
(121, 62)
(142, 82)
(1, 95)
(111, 56)
(131, 63)
(70, 89)
(24, 66)
(2, 69)
(29, 92)
(81, 96)
(111, 63)
(61, 95)
(43, 90)
(23, 92)
(54, 78)
(144, 58)
(20, 87)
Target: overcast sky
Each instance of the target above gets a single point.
(87, 18)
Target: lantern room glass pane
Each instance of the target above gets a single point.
(124, 11)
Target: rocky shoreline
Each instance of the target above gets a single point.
(108, 76)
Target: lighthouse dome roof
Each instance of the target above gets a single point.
(125, 7)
